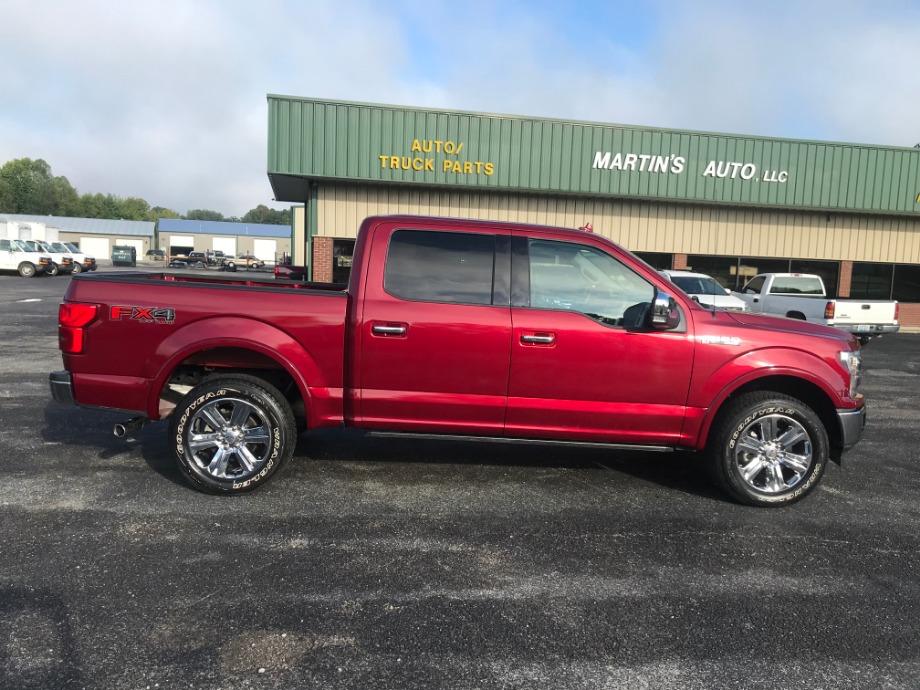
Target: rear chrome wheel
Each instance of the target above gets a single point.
(232, 433)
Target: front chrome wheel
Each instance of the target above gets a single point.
(768, 449)
(773, 453)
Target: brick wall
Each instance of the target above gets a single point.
(322, 259)
(679, 262)
(845, 280)
(909, 315)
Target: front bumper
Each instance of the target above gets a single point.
(62, 387)
(852, 423)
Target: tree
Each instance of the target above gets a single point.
(158, 212)
(269, 216)
(203, 214)
(27, 186)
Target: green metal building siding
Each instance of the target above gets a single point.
(327, 140)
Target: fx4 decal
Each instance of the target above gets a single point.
(142, 314)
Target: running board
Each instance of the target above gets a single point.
(531, 441)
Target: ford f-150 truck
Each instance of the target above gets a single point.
(462, 328)
(802, 296)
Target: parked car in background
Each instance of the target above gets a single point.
(187, 263)
(81, 262)
(705, 289)
(16, 255)
(289, 272)
(156, 255)
(61, 262)
(803, 296)
(243, 261)
(123, 255)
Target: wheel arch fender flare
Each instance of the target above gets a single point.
(788, 366)
(224, 332)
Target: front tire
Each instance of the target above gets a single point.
(27, 270)
(54, 270)
(77, 268)
(768, 449)
(232, 433)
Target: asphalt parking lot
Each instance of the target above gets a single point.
(372, 563)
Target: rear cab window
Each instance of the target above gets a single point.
(441, 266)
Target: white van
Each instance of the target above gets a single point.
(16, 255)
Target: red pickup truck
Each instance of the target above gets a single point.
(462, 328)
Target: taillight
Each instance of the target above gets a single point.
(73, 317)
(829, 310)
(897, 310)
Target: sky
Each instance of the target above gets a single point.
(166, 100)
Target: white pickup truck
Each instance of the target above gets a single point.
(802, 296)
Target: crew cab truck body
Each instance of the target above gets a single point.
(802, 296)
(462, 328)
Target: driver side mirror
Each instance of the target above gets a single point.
(665, 313)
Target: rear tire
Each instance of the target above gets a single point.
(768, 449)
(232, 433)
(27, 270)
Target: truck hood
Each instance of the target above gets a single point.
(785, 325)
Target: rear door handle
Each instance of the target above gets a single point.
(538, 338)
(389, 329)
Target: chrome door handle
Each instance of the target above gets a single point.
(388, 330)
(547, 339)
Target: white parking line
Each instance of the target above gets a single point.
(34, 299)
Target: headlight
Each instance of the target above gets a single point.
(851, 361)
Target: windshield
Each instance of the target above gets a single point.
(22, 246)
(72, 247)
(698, 285)
(59, 247)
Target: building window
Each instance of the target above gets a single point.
(906, 283)
(657, 260)
(342, 252)
(828, 270)
(734, 272)
(871, 281)
(723, 268)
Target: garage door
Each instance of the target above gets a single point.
(137, 244)
(227, 245)
(180, 244)
(96, 247)
(265, 249)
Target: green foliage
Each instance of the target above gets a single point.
(28, 187)
(204, 214)
(269, 216)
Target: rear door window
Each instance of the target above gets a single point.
(435, 266)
